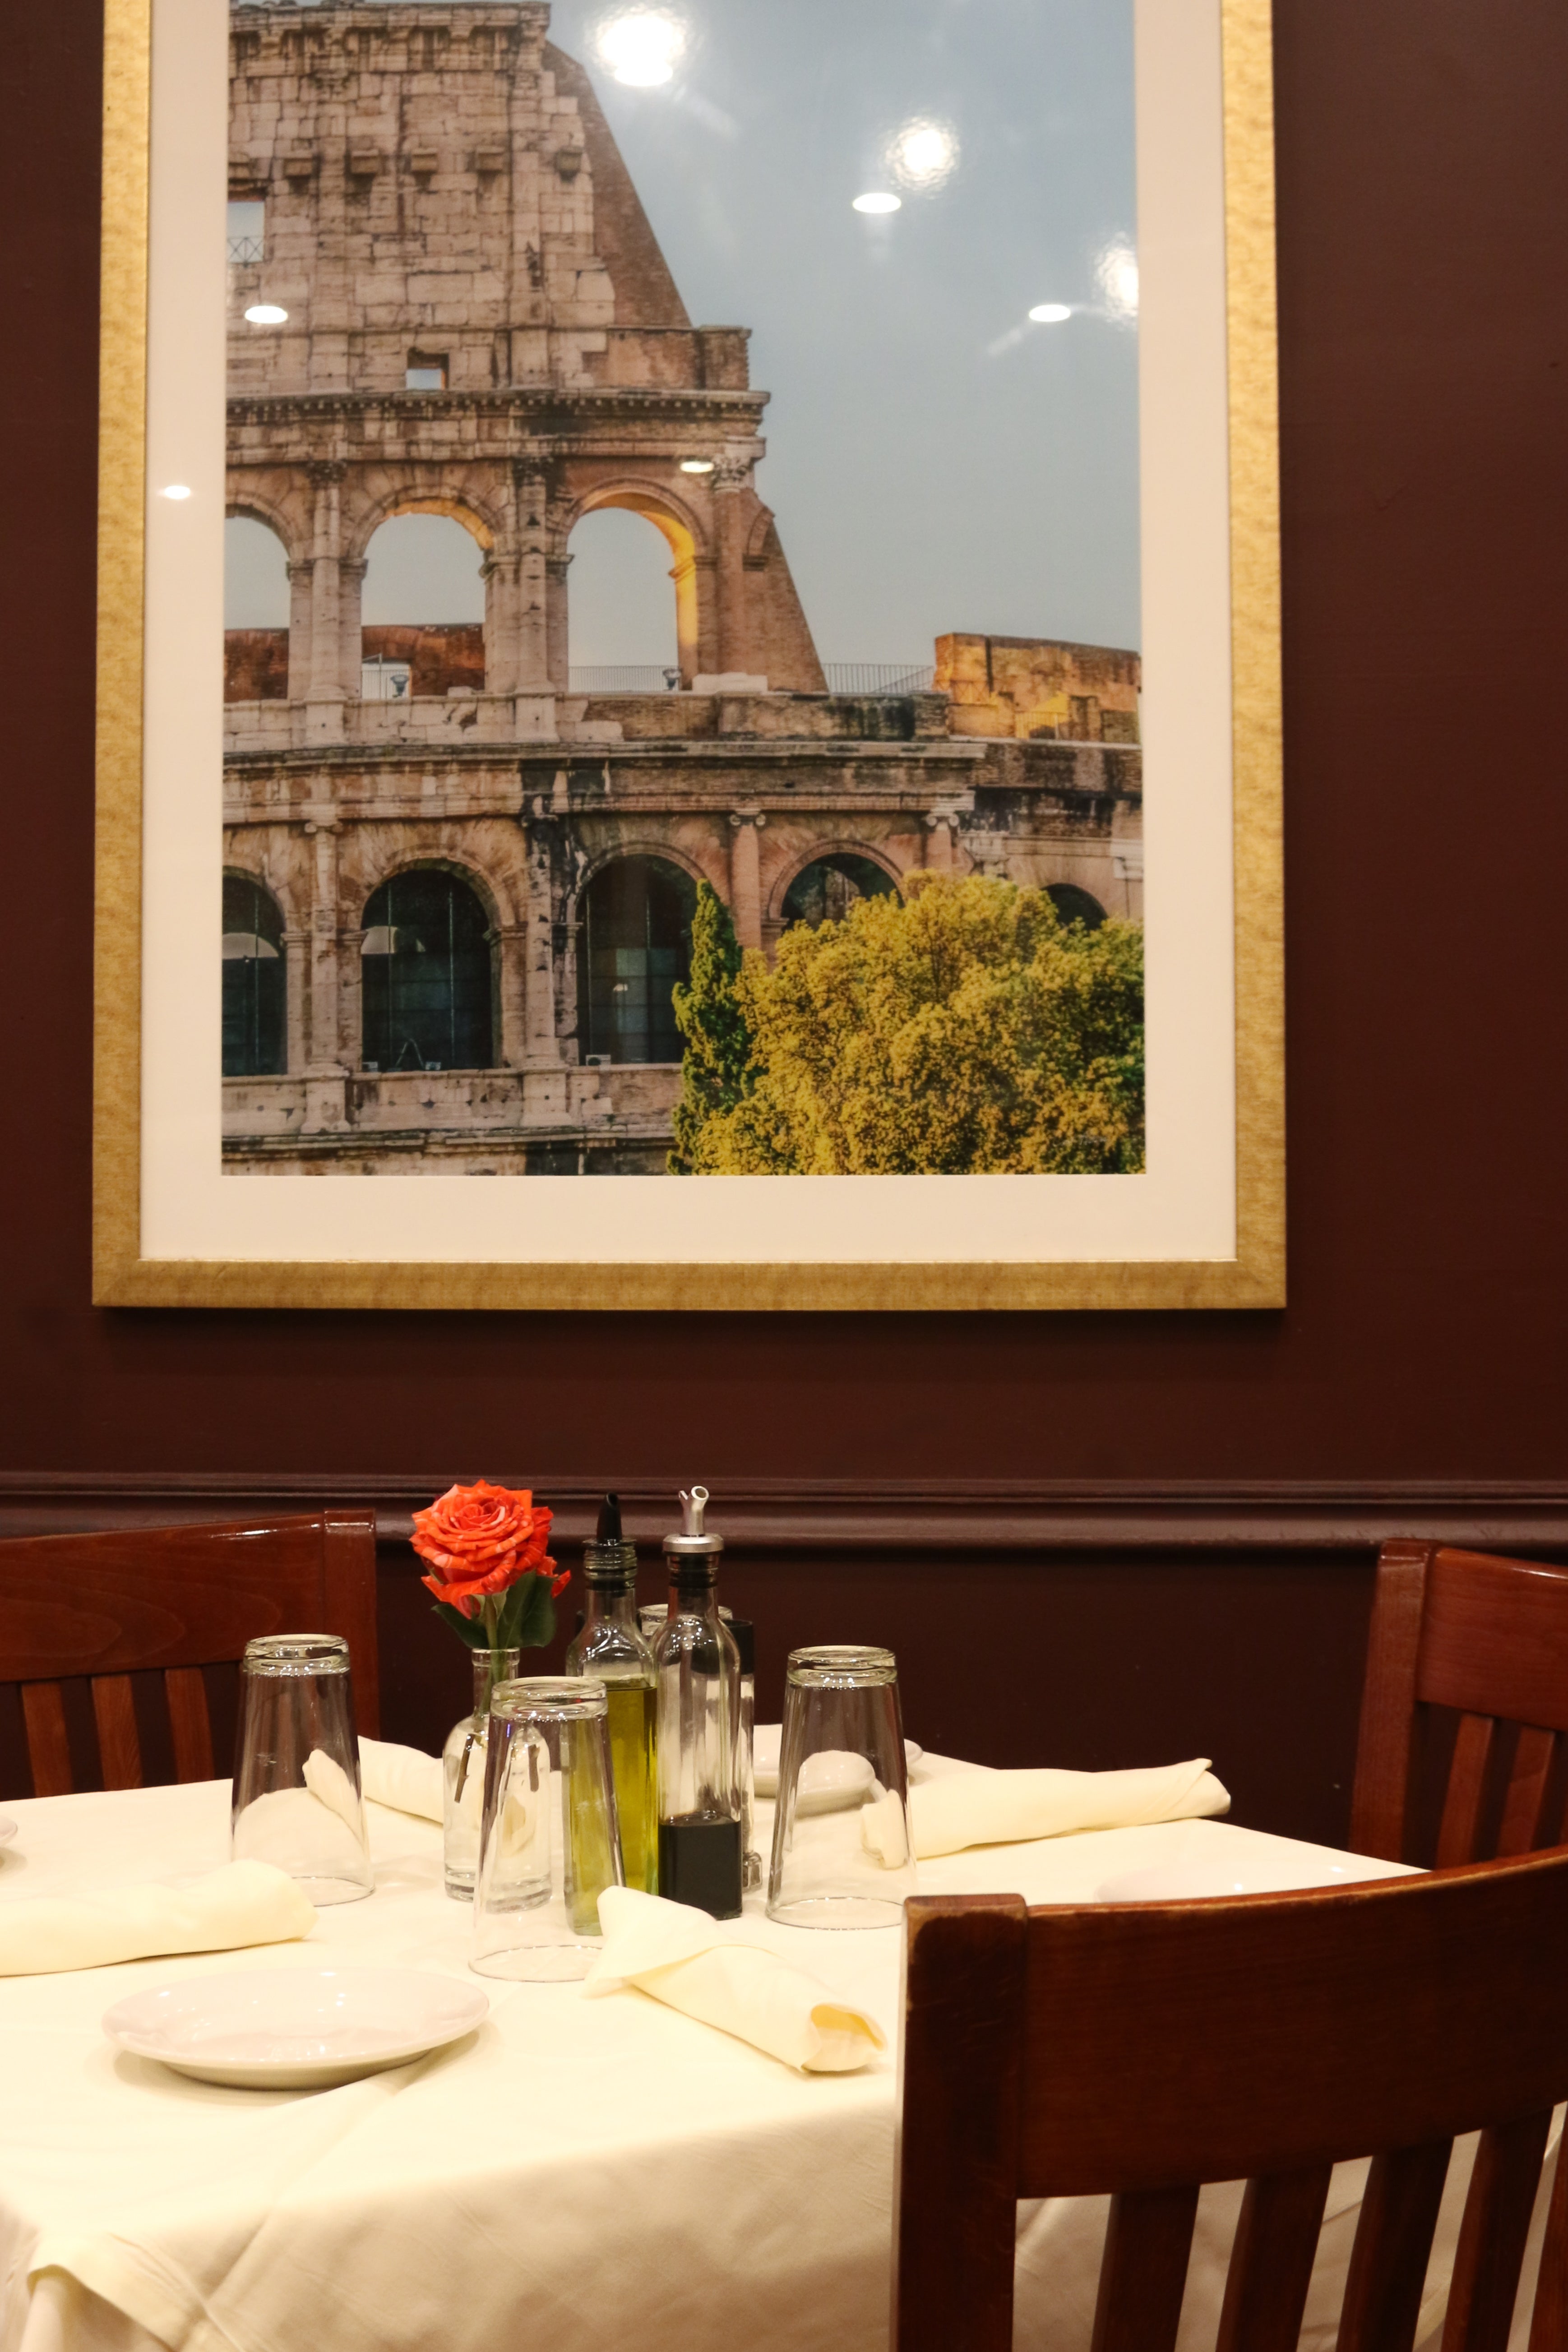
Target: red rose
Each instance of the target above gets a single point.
(480, 1539)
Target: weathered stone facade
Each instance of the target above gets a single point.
(443, 199)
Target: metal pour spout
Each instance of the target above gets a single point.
(692, 1507)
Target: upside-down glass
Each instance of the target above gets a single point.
(550, 1842)
(841, 1853)
(296, 1782)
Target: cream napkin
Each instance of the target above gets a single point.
(403, 1778)
(243, 1903)
(715, 1971)
(986, 1807)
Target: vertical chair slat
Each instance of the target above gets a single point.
(1549, 2321)
(48, 1749)
(1491, 2240)
(1271, 2260)
(1524, 1807)
(1461, 1822)
(1392, 2244)
(961, 2084)
(1381, 1808)
(118, 1748)
(1144, 2271)
(189, 1723)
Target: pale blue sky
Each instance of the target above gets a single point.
(935, 461)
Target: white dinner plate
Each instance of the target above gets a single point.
(1193, 1882)
(7, 1829)
(295, 2029)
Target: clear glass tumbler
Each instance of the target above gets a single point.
(296, 1782)
(552, 1841)
(842, 1856)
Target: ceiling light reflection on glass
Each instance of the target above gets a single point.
(265, 314)
(923, 154)
(1117, 272)
(697, 464)
(177, 491)
(1050, 314)
(878, 201)
(642, 47)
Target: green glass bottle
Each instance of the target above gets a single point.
(608, 1647)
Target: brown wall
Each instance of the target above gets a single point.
(1424, 286)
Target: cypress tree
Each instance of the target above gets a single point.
(717, 1070)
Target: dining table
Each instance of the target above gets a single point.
(578, 2175)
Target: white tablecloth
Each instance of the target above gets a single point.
(583, 2174)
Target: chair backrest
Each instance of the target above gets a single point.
(1141, 2049)
(1485, 1637)
(111, 1606)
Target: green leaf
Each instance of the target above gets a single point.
(468, 1630)
(528, 1614)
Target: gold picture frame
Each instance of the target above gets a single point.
(1254, 1278)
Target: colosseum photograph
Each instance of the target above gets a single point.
(629, 770)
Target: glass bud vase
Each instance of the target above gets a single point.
(463, 1774)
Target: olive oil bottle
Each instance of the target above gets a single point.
(609, 1648)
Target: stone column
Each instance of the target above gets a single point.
(324, 689)
(296, 988)
(325, 1048)
(746, 876)
(734, 502)
(557, 623)
(939, 841)
(542, 1047)
(301, 601)
(350, 631)
(525, 667)
(511, 966)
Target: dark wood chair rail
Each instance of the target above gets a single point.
(177, 1599)
(1140, 2050)
(1488, 1638)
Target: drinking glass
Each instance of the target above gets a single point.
(296, 1784)
(842, 1856)
(550, 1842)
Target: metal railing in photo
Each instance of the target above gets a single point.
(629, 677)
(879, 678)
(244, 252)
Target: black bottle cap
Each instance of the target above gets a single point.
(609, 1527)
(746, 1635)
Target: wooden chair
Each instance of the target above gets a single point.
(1488, 1638)
(179, 1599)
(1140, 2050)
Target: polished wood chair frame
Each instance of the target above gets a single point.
(1488, 1639)
(110, 1605)
(1140, 2050)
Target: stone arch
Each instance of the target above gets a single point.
(245, 505)
(672, 852)
(686, 538)
(265, 871)
(255, 993)
(633, 950)
(760, 537)
(429, 971)
(482, 524)
(411, 857)
(818, 852)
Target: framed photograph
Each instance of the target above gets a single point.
(688, 592)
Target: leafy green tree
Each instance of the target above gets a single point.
(965, 1031)
(717, 1066)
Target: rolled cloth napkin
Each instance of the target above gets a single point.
(403, 1778)
(986, 1807)
(713, 1970)
(243, 1903)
